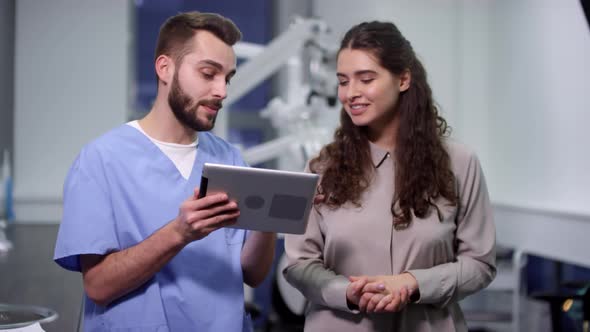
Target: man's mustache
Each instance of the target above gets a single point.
(215, 104)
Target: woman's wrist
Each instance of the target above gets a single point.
(413, 286)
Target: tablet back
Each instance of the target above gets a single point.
(269, 200)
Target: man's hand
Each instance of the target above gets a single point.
(198, 217)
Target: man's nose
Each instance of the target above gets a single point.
(220, 89)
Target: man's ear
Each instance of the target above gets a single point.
(164, 68)
(405, 79)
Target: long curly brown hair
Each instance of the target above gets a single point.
(422, 165)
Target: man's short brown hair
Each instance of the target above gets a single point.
(177, 31)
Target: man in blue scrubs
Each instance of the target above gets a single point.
(155, 257)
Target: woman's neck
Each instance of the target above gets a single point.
(384, 136)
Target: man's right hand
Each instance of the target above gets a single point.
(198, 217)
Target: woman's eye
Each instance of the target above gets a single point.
(343, 83)
(367, 80)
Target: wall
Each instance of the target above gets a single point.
(71, 84)
(539, 105)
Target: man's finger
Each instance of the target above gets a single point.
(216, 221)
(197, 216)
(207, 201)
(228, 207)
(222, 224)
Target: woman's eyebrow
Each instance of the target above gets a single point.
(358, 73)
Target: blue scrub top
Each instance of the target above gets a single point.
(120, 190)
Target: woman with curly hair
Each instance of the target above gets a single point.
(405, 229)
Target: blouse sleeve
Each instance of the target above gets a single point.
(475, 255)
(306, 270)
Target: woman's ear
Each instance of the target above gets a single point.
(164, 68)
(405, 79)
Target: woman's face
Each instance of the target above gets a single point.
(368, 92)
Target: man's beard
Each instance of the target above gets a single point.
(186, 110)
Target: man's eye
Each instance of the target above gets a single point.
(343, 83)
(208, 76)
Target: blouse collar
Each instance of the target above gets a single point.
(378, 154)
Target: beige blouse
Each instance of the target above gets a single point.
(449, 259)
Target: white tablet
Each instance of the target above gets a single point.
(269, 200)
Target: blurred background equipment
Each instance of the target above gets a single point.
(7, 211)
(20, 318)
(301, 118)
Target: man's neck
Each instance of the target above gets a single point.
(161, 124)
